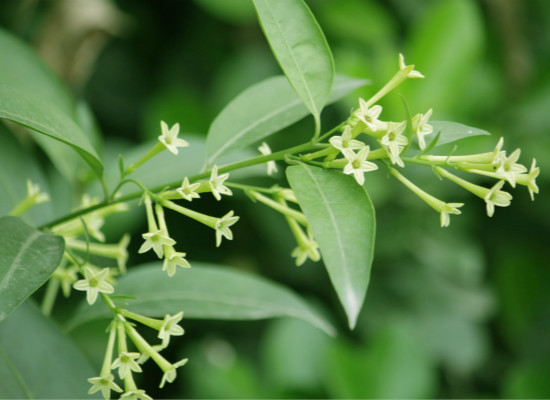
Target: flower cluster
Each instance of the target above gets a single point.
(129, 362)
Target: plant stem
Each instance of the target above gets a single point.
(49, 296)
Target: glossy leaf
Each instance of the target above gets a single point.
(37, 361)
(301, 49)
(24, 107)
(27, 259)
(263, 109)
(342, 219)
(450, 132)
(205, 291)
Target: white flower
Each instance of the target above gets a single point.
(216, 184)
(156, 240)
(508, 168)
(94, 283)
(170, 373)
(408, 69)
(370, 116)
(421, 127)
(497, 197)
(172, 259)
(446, 209)
(105, 384)
(358, 164)
(187, 190)
(170, 139)
(529, 179)
(125, 362)
(170, 327)
(137, 394)
(393, 141)
(222, 227)
(265, 150)
(345, 142)
(307, 248)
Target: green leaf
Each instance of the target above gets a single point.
(341, 216)
(37, 361)
(16, 166)
(450, 132)
(263, 109)
(24, 107)
(27, 259)
(206, 291)
(301, 49)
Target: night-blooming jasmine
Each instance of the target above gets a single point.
(156, 240)
(94, 283)
(508, 169)
(421, 127)
(170, 139)
(496, 197)
(222, 227)
(408, 69)
(393, 141)
(265, 150)
(358, 164)
(172, 259)
(170, 372)
(137, 394)
(126, 362)
(529, 179)
(105, 384)
(170, 327)
(369, 116)
(187, 190)
(345, 141)
(216, 184)
(307, 248)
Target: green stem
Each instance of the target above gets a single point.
(49, 296)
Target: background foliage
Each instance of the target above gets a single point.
(460, 312)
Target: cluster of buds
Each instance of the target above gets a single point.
(129, 362)
(350, 152)
(34, 197)
(306, 245)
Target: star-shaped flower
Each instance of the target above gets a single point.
(126, 362)
(170, 373)
(172, 259)
(369, 116)
(358, 164)
(222, 227)
(156, 240)
(307, 248)
(345, 142)
(105, 384)
(393, 141)
(408, 69)
(529, 179)
(497, 197)
(216, 184)
(446, 209)
(187, 190)
(265, 150)
(170, 139)
(137, 394)
(170, 327)
(94, 283)
(421, 127)
(508, 169)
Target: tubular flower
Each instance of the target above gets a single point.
(170, 138)
(265, 150)
(508, 169)
(216, 184)
(496, 197)
(358, 164)
(222, 227)
(369, 116)
(394, 141)
(94, 283)
(421, 127)
(345, 141)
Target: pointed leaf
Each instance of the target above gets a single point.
(37, 361)
(301, 49)
(205, 291)
(341, 216)
(27, 259)
(263, 109)
(450, 132)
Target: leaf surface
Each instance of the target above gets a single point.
(27, 259)
(301, 49)
(206, 291)
(263, 109)
(342, 219)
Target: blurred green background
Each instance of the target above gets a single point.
(461, 312)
